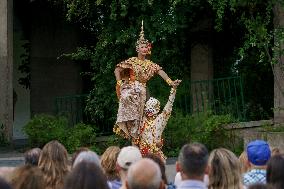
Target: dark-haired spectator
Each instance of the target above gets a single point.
(275, 172)
(32, 156)
(86, 175)
(27, 177)
(4, 184)
(258, 153)
(192, 165)
(225, 170)
(108, 163)
(53, 162)
(144, 174)
(126, 157)
(258, 186)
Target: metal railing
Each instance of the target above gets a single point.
(219, 96)
(73, 108)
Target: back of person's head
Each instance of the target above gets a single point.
(53, 162)
(77, 152)
(4, 184)
(144, 174)
(108, 162)
(243, 158)
(258, 186)
(32, 156)
(27, 177)
(161, 164)
(275, 151)
(192, 159)
(127, 156)
(86, 175)
(275, 171)
(88, 156)
(258, 152)
(224, 170)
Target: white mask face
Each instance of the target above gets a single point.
(152, 107)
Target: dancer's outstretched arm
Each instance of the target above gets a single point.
(164, 116)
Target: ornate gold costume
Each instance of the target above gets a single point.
(133, 96)
(153, 126)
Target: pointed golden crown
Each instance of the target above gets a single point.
(141, 39)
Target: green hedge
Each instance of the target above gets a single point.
(205, 128)
(44, 128)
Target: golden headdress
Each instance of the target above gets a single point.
(142, 40)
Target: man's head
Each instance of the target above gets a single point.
(152, 107)
(258, 152)
(144, 174)
(127, 156)
(192, 160)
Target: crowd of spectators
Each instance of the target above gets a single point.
(258, 167)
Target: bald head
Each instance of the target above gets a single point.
(144, 174)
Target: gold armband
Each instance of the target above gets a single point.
(119, 82)
(172, 91)
(169, 81)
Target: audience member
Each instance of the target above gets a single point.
(127, 156)
(245, 166)
(144, 174)
(157, 159)
(86, 175)
(108, 163)
(77, 152)
(28, 177)
(224, 170)
(178, 180)
(32, 156)
(4, 184)
(258, 153)
(275, 151)
(53, 163)
(88, 156)
(258, 186)
(275, 172)
(192, 165)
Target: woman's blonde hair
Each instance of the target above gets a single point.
(53, 162)
(245, 166)
(26, 177)
(108, 162)
(225, 170)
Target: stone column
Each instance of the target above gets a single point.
(278, 68)
(201, 69)
(6, 67)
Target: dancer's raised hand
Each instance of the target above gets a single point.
(176, 83)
